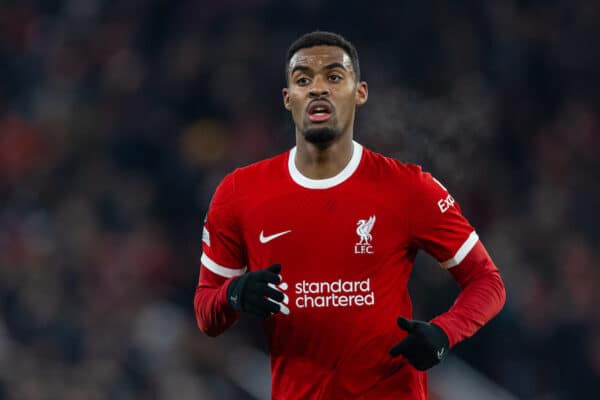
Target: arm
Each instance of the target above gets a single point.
(224, 287)
(482, 296)
(218, 302)
(439, 228)
(222, 260)
(214, 314)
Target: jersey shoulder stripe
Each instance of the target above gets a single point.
(462, 252)
(219, 269)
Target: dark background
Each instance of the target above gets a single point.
(119, 118)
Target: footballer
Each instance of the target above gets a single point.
(320, 242)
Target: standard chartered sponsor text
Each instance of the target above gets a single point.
(336, 293)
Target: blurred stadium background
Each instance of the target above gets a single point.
(118, 119)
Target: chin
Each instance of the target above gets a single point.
(320, 135)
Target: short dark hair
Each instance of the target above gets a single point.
(324, 38)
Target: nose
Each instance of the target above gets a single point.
(319, 88)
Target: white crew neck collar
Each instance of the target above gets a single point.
(327, 182)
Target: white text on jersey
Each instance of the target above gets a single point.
(445, 204)
(334, 294)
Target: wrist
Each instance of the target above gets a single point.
(441, 322)
(440, 336)
(229, 288)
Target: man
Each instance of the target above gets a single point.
(320, 242)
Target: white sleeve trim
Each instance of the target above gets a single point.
(206, 236)
(219, 269)
(462, 252)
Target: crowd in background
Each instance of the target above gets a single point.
(119, 118)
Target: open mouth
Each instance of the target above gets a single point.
(319, 111)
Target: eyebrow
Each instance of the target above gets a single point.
(329, 66)
(299, 68)
(335, 65)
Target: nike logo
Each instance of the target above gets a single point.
(266, 239)
(440, 353)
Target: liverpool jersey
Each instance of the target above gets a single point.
(346, 245)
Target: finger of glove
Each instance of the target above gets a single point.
(403, 347)
(267, 305)
(407, 324)
(261, 306)
(275, 268)
(257, 300)
(281, 289)
(267, 291)
(267, 277)
(282, 308)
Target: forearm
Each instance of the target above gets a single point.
(213, 313)
(482, 296)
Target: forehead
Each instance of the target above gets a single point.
(318, 57)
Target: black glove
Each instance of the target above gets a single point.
(425, 346)
(251, 292)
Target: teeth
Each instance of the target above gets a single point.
(319, 110)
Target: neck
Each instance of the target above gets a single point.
(322, 161)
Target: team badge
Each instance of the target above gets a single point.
(363, 230)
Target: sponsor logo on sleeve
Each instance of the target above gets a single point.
(445, 204)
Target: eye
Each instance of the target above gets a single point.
(335, 77)
(302, 81)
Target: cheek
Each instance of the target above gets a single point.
(348, 101)
(297, 109)
(346, 93)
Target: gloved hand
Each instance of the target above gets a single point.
(425, 346)
(255, 292)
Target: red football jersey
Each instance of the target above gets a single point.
(347, 245)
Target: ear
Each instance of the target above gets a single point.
(362, 93)
(286, 98)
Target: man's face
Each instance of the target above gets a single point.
(322, 92)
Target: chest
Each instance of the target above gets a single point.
(326, 233)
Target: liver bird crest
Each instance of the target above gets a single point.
(364, 229)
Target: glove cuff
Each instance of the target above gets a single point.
(234, 292)
(441, 341)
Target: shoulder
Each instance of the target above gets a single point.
(406, 180)
(264, 172)
(251, 178)
(392, 167)
(269, 166)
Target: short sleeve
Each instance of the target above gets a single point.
(221, 237)
(437, 224)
